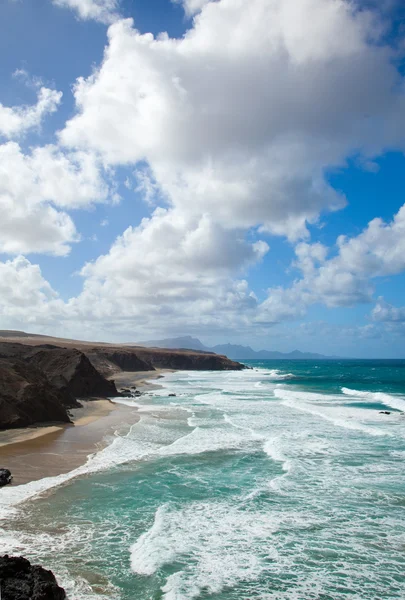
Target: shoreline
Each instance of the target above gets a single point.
(33, 453)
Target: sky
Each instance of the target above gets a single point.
(225, 169)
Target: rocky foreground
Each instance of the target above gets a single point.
(19, 580)
(42, 378)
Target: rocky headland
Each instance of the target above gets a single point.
(41, 378)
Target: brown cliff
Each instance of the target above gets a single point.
(43, 376)
(27, 397)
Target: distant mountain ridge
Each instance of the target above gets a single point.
(232, 351)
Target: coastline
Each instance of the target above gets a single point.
(36, 452)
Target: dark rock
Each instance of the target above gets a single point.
(22, 581)
(186, 360)
(137, 393)
(172, 395)
(72, 372)
(126, 392)
(27, 397)
(5, 477)
(110, 360)
(384, 412)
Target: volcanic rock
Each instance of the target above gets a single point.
(22, 581)
(72, 372)
(27, 397)
(5, 477)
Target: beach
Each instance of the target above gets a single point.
(36, 452)
(280, 481)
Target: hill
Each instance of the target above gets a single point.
(234, 351)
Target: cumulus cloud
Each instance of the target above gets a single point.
(346, 278)
(191, 7)
(169, 268)
(24, 294)
(242, 116)
(385, 312)
(34, 187)
(230, 131)
(104, 11)
(17, 120)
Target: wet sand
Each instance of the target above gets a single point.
(37, 452)
(144, 381)
(32, 454)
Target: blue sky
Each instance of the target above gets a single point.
(202, 182)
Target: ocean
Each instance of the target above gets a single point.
(283, 481)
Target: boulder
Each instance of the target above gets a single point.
(172, 395)
(5, 477)
(385, 412)
(22, 581)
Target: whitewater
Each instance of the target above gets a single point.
(282, 481)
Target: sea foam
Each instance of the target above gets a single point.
(387, 399)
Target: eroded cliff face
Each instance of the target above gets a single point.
(39, 381)
(187, 360)
(27, 396)
(71, 371)
(112, 360)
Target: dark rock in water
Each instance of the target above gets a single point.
(137, 393)
(172, 395)
(126, 392)
(5, 477)
(384, 412)
(22, 581)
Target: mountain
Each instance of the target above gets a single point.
(187, 342)
(232, 351)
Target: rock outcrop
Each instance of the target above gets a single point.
(38, 382)
(110, 360)
(27, 396)
(5, 477)
(71, 372)
(20, 580)
(186, 360)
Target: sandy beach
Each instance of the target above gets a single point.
(36, 452)
(144, 381)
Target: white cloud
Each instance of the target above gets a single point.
(17, 120)
(191, 7)
(344, 279)
(104, 11)
(25, 296)
(231, 128)
(170, 269)
(387, 313)
(33, 189)
(242, 116)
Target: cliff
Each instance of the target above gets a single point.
(110, 360)
(72, 372)
(27, 397)
(186, 360)
(38, 381)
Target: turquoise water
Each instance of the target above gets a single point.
(280, 482)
